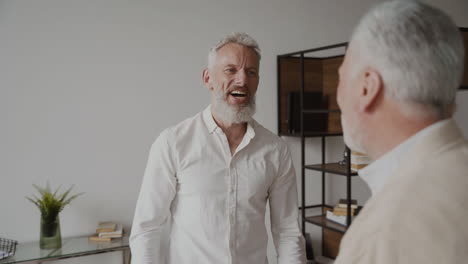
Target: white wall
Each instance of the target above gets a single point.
(86, 86)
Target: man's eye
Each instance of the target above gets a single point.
(252, 73)
(230, 70)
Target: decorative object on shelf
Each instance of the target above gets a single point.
(358, 160)
(345, 156)
(7, 247)
(50, 204)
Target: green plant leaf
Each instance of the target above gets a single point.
(51, 204)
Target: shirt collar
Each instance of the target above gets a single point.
(378, 173)
(208, 119)
(212, 126)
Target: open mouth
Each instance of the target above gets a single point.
(238, 94)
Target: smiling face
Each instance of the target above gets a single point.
(233, 80)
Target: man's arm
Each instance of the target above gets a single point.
(287, 236)
(153, 206)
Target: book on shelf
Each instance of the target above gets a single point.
(108, 226)
(115, 234)
(343, 211)
(106, 231)
(339, 219)
(343, 203)
(359, 160)
(96, 238)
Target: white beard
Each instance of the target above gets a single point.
(228, 113)
(352, 137)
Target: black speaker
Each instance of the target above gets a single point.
(313, 122)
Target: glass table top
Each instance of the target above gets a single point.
(73, 246)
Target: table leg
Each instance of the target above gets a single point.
(127, 256)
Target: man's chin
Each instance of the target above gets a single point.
(237, 105)
(234, 114)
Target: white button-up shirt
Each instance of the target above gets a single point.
(215, 201)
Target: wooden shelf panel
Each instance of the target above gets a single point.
(321, 220)
(334, 168)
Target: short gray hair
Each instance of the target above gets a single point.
(418, 51)
(236, 37)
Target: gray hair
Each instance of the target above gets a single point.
(236, 37)
(418, 51)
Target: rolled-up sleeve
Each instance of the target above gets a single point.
(152, 211)
(287, 237)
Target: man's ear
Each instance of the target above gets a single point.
(371, 90)
(206, 79)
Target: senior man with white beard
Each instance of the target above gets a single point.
(211, 176)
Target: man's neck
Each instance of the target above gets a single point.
(234, 132)
(387, 137)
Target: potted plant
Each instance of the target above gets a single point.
(50, 204)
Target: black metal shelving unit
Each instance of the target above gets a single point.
(323, 166)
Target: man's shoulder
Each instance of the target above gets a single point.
(184, 128)
(265, 134)
(428, 198)
(414, 215)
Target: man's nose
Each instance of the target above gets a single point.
(241, 78)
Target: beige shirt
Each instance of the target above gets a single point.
(419, 215)
(377, 174)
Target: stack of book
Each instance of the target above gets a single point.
(106, 231)
(340, 211)
(359, 160)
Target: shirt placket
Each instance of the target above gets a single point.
(231, 202)
(232, 198)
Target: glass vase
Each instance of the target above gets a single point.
(50, 233)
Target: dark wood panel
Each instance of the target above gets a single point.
(331, 240)
(330, 83)
(331, 243)
(290, 73)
